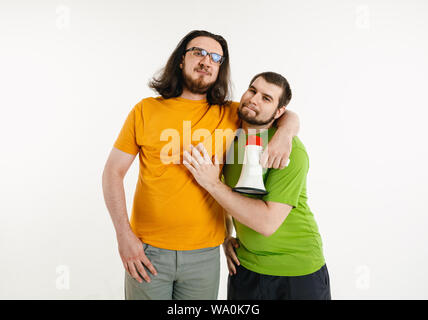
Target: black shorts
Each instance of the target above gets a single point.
(249, 285)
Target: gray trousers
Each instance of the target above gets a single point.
(182, 275)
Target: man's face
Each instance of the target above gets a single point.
(259, 104)
(199, 73)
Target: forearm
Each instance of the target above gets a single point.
(114, 197)
(289, 123)
(251, 212)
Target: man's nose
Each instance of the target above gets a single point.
(206, 60)
(255, 99)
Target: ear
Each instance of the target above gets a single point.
(182, 61)
(279, 112)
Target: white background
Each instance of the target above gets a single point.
(70, 71)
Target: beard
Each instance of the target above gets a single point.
(198, 86)
(253, 119)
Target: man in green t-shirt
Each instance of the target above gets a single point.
(279, 252)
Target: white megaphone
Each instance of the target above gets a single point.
(251, 178)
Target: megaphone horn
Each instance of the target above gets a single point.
(251, 178)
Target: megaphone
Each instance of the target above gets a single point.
(251, 178)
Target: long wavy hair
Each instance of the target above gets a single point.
(169, 81)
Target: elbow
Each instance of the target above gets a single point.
(112, 171)
(266, 234)
(262, 228)
(269, 225)
(104, 179)
(268, 230)
(295, 120)
(106, 174)
(110, 176)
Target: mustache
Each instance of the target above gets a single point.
(201, 68)
(250, 106)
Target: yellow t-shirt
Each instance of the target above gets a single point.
(170, 210)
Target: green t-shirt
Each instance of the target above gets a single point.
(295, 249)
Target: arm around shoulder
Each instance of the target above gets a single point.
(289, 122)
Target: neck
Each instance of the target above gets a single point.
(192, 96)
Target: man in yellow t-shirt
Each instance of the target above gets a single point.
(176, 227)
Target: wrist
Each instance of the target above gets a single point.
(228, 237)
(124, 234)
(226, 240)
(213, 186)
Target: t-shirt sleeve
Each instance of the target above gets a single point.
(127, 140)
(285, 185)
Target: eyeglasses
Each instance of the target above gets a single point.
(199, 52)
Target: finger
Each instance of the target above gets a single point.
(149, 265)
(125, 265)
(142, 271)
(196, 155)
(270, 162)
(187, 157)
(191, 159)
(205, 154)
(189, 167)
(264, 159)
(284, 162)
(232, 255)
(235, 243)
(231, 267)
(276, 163)
(133, 272)
(235, 259)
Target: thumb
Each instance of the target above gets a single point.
(235, 243)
